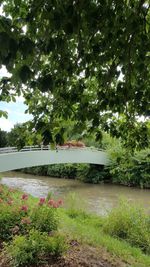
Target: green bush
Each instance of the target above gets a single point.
(44, 218)
(38, 170)
(62, 170)
(130, 223)
(130, 169)
(85, 172)
(92, 173)
(18, 215)
(9, 218)
(35, 248)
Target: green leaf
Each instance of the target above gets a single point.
(24, 73)
(46, 83)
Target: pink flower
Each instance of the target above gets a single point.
(41, 201)
(51, 202)
(60, 202)
(55, 205)
(25, 221)
(24, 197)
(24, 208)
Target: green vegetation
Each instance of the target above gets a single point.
(3, 138)
(88, 63)
(89, 229)
(35, 248)
(124, 232)
(130, 169)
(29, 227)
(129, 222)
(84, 172)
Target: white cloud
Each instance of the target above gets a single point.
(20, 99)
(5, 124)
(16, 114)
(1, 10)
(4, 72)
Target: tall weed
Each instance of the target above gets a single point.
(131, 223)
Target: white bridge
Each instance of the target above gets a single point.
(12, 159)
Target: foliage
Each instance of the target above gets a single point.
(18, 215)
(88, 173)
(9, 214)
(3, 138)
(87, 62)
(35, 248)
(8, 220)
(85, 228)
(88, 229)
(22, 135)
(130, 169)
(93, 173)
(44, 219)
(56, 170)
(129, 222)
(63, 170)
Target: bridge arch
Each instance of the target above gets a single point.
(13, 160)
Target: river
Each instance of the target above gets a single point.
(99, 199)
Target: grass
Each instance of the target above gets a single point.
(88, 230)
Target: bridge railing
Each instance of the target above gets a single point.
(42, 147)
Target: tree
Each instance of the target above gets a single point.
(21, 135)
(3, 138)
(87, 61)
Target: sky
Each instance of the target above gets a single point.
(15, 110)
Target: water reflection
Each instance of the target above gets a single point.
(98, 198)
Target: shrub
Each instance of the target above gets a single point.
(9, 218)
(130, 223)
(44, 218)
(92, 173)
(130, 169)
(35, 248)
(62, 170)
(85, 172)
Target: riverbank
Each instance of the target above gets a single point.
(86, 240)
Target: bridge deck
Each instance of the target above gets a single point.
(11, 159)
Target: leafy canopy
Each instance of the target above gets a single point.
(88, 61)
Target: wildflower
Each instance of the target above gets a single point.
(60, 202)
(41, 201)
(51, 202)
(1, 200)
(55, 205)
(24, 208)
(25, 221)
(24, 197)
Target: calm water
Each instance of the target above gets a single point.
(97, 198)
